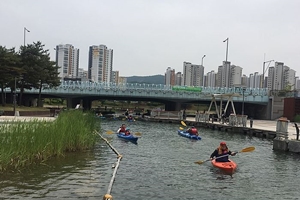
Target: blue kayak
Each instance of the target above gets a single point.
(127, 137)
(187, 135)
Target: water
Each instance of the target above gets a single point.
(160, 166)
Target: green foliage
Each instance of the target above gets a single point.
(31, 67)
(297, 118)
(9, 68)
(24, 143)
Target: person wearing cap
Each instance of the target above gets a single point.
(127, 132)
(222, 150)
(192, 130)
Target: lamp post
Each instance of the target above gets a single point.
(227, 40)
(25, 30)
(202, 60)
(264, 70)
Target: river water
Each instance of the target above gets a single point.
(160, 166)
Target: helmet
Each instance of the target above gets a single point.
(127, 129)
(222, 143)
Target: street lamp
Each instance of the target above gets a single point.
(264, 70)
(227, 40)
(202, 60)
(25, 30)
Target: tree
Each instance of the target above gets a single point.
(39, 71)
(9, 69)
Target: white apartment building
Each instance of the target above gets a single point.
(289, 78)
(122, 80)
(83, 74)
(67, 58)
(211, 79)
(100, 63)
(255, 80)
(271, 78)
(245, 81)
(223, 79)
(178, 78)
(235, 76)
(281, 77)
(170, 76)
(115, 77)
(193, 74)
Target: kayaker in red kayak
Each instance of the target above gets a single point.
(222, 150)
(192, 130)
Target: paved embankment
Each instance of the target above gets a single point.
(24, 118)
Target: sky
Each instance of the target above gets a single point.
(148, 36)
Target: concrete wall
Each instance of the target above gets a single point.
(277, 107)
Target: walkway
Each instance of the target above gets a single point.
(269, 125)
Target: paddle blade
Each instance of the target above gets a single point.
(199, 162)
(138, 134)
(248, 149)
(183, 124)
(181, 128)
(109, 132)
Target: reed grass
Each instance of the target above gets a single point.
(24, 143)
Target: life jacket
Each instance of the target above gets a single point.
(122, 130)
(127, 132)
(194, 131)
(223, 152)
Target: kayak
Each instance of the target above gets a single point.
(186, 134)
(127, 137)
(226, 166)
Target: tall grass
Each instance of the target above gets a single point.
(23, 143)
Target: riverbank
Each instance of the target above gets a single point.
(25, 118)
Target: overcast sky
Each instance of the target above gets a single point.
(148, 36)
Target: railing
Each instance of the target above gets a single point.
(89, 86)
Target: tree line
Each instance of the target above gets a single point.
(28, 68)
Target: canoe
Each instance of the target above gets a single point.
(226, 166)
(127, 137)
(187, 135)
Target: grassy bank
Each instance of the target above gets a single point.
(24, 143)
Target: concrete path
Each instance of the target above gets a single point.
(269, 125)
(24, 118)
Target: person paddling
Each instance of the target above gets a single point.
(122, 129)
(192, 130)
(222, 150)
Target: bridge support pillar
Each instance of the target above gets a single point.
(87, 104)
(172, 106)
(71, 102)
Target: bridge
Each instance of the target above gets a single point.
(77, 92)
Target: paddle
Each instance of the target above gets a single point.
(109, 132)
(183, 124)
(181, 128)
(137, 134)
(248, 149)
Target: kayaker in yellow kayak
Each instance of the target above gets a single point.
(221, 152)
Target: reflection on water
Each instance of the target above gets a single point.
(160, 166)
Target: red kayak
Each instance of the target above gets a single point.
(226, 166)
